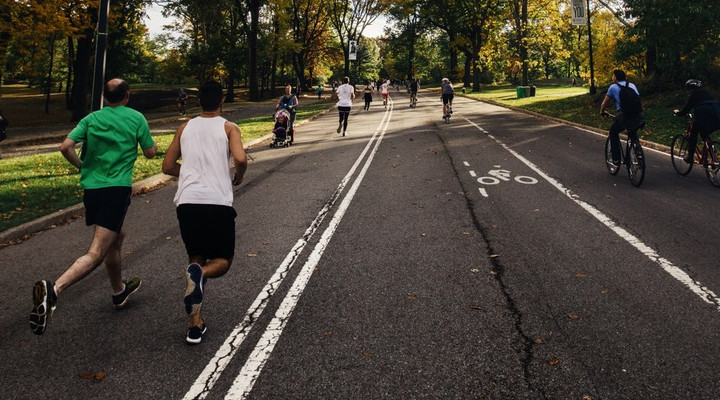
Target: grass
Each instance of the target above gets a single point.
(574, 104)
(37, 185)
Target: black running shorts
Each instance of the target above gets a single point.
(107, 207)
(447, 98)
(207, 230)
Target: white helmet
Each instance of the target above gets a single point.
(445, 80)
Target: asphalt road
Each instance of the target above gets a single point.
(489, 258)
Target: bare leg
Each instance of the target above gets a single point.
(214, 268)
(113, 263)
(103, 240)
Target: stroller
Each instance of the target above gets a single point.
(282, 135)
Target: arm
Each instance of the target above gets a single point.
(604, 104)
(67, 148)
(686, 108)
(237, 151)
(170, 164)
(151, 151)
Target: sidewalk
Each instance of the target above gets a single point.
(43, 139)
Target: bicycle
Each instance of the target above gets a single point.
(632, 156)
(705, 156)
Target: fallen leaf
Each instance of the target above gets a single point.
(412, 297)
(553, 361)
(100, 376)
(466, 233)
(327, 333)
(604, 291)
(368, 354)
(573, 317)
(474, 270)
(168, 238)
(424, 234)
(252, 254)
(475, 306)
(586, 397)
(538, 341)
(86, 375)
(89, 375)
(494, 255)
(581, 276)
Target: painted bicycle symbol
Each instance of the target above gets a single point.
(497, 176)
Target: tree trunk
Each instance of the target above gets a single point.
(48, 83)
(68, 79)
(468, 65)
(453, 57)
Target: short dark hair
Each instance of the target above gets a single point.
(619, 75)
(211, 95)
(346, 80)
(116, 93)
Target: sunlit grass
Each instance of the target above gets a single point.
(37, 185)
(575, 104)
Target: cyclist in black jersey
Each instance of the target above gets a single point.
(706, 114)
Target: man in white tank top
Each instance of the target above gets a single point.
(204, 197)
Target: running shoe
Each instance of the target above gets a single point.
(195, 333)
(44, 300)
(194, 290)
(339, 128)
(131, 285)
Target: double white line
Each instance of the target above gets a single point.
(253, 366)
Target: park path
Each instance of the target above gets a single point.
(43, 139)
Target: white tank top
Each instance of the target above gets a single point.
(205, 169)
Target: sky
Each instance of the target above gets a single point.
(155, 21)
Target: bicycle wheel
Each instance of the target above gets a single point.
(636, 164)
(712, 170)
(678, 152)
(611, 166)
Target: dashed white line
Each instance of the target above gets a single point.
(696, 287)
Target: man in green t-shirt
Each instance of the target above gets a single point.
(111, 137)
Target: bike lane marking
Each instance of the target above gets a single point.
(209, 376)
(250, 371)
(695, 286)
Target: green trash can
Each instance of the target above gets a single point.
(520, 90)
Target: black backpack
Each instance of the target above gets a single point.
(630, 103)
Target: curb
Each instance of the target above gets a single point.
(66, 215)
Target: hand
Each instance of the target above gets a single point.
(676, 112)
(604, 113)
(237, 180)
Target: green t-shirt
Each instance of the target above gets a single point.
(112, 135)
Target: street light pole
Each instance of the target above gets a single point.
(593, 89)
(100, 55)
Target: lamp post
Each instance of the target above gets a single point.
(100, 55)
(593, 89)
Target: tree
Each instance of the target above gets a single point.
(350, 19)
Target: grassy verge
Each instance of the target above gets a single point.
(37, 185)
(576, 105)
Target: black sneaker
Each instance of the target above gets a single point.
(44, 300)
(131, 285)
(339, 128)
(194, 291)
(195, 333)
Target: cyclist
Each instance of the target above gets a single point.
(447, 96)
(622, 122)
(414, 87)
(706, 114)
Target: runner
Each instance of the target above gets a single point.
(204, 197)
(346, 93)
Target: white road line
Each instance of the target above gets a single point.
(467, 164)
(696, 287)
(209, 376)
(473, 174)
(251, 370)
